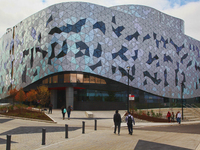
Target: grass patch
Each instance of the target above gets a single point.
(27, 113)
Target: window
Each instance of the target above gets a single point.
(79, 78)
(92, 79)
(60, 78)
(50, 79)
(55, 79)
(86, 78)
(103, 81)
(66, 78)
(73, 78)
(45, 81)
(98, 80)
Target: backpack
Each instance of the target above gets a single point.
(129, 120)
(64, 110)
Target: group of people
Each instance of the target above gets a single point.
(129, 120)
(63, 110)
(68, 110)
(170, 116)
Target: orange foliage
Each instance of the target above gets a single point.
(13, 92)
(20, 96)
(31, 95)
(43, 94)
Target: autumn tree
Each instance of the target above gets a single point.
(43, 94)
(20, 96)
(31, 96)
(13, 93)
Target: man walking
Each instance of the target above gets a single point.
(117, 121)
(130, 120)
(50, 108)
(179, 117)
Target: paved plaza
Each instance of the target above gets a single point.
(27, 134)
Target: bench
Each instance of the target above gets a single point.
(89, 114)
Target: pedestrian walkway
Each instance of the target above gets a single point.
(105, 119)
(26, 134)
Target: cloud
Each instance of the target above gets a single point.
(14, 11)
(189, 13)
(157, 4)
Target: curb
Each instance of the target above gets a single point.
(51, 118)
(39, 120)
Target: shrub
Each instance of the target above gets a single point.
(10, 108)
(135, 109)
(143, 113)
(3, 108)
(140, 112)
(153, 113)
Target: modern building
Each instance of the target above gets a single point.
(82, 52)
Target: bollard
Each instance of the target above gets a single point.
(95, 124)
(66, 131)
(83, 128)
(8, 142)
(43, 136)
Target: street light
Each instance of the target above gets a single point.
(182, 84)
(128, 68)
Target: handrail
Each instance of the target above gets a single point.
(194, 110)
(193, 105)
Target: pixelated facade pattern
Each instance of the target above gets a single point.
(76, 36)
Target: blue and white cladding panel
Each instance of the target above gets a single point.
(76, 36)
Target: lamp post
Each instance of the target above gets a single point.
(182, 97)
(128, 68)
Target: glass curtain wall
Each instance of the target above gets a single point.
(89, 95)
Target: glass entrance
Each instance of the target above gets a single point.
(61, 101)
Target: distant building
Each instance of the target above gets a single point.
(81, 51)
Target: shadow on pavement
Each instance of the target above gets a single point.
(2, 141)
(91, 118)
(4, 120)
(191, 128)
(141, 145)
(29, 130)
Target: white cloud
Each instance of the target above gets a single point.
(14, 11)
(157, 4)
(190, 14)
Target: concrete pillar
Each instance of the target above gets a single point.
(70, 97)
(53, 98)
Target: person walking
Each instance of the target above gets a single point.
(179, 117)
(63, 109)
(117, 121)
(130, 121)
(172, 117)
(168, 116)
(69, 109)
(50, 108)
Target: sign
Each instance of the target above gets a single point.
(131, 97)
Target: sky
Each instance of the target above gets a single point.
(14, 11)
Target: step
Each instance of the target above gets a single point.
(194, 119)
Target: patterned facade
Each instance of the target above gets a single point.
(89, 38)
